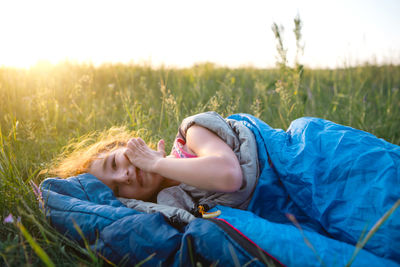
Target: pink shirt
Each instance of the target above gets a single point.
(179, 149)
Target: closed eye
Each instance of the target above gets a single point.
(113, 163)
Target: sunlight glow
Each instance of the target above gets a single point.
(182, 33)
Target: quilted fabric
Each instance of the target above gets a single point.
(336, 181)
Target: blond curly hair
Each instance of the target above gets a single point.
(78, 155)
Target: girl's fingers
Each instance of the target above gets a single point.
(140, 141)
(130, 155)
(131, 143)
(136, 142)
(161, 147)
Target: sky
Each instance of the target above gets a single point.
(180, 33)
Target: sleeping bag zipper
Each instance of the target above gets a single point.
(252, 248)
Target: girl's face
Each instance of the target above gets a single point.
(117, 172)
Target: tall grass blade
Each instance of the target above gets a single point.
(35, 246)
(296, 223)
(373, 230)
(233, 255)
(145, 260)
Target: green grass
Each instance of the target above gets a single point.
(41, 109)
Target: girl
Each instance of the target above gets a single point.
(213, 161)
(336, 181)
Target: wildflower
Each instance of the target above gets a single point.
(9, 219)
(36, 190)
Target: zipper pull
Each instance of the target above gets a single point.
(207, 215)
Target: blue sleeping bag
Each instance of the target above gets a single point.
(322, 187)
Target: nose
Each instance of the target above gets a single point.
(128, 170)
(130, 173)
(126, 175)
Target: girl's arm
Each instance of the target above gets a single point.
(216, 167)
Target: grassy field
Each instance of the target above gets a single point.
(42, 108)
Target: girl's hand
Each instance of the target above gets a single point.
(143, 157)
